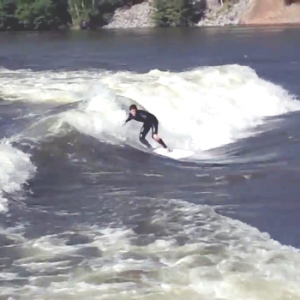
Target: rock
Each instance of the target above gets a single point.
(212, 3)
(141, 15)
(219, 16)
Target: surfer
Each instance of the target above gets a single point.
(150, 122)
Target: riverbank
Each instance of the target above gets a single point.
(216, 14)
(273, 12)
(221, 15)
(150, 13)
(139, 15)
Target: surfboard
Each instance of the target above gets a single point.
(175, 153)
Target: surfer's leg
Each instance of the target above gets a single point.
(155, 136)
(159, 140)
(144, 130)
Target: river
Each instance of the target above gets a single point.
(87, 213)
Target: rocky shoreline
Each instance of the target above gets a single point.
(138, 16)
(226, 15)
(216, 14)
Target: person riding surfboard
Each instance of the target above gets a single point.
(150, 122)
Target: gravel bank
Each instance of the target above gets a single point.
(273, 12)
(141, 15)
(219, 15)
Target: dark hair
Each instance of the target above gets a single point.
(133, 106)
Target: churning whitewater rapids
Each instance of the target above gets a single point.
(87, 213)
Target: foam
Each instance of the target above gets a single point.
(207, 107)
(220, 259)
(99, 116)
(16, 169)
(198, 110)
(45, 86)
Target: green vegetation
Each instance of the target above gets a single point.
(55, 14)
(32, 15)
(97, 12)
(177, 12)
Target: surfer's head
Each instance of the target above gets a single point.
(133, 109)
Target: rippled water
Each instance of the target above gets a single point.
(88, 213)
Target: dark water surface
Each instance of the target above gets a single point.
(87, 213)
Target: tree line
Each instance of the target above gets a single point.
(51, 14)
(56, 14)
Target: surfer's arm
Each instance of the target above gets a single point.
(128, 119)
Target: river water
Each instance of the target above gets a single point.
(87, 213)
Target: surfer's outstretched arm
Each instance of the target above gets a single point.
(128, 119)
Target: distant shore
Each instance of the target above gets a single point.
(147, 14)
(141, 15)
(244, 12)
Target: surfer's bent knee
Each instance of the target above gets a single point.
(155, 137)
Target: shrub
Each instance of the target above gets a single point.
(178, 12)
(37, 15)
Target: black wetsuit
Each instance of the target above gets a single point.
(150, 122)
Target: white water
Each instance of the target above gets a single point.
(198, 110)
(16, 168)
(220, 259)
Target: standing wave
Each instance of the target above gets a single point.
(198, 109)
(16, 168)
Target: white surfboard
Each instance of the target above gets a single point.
(175, 153)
